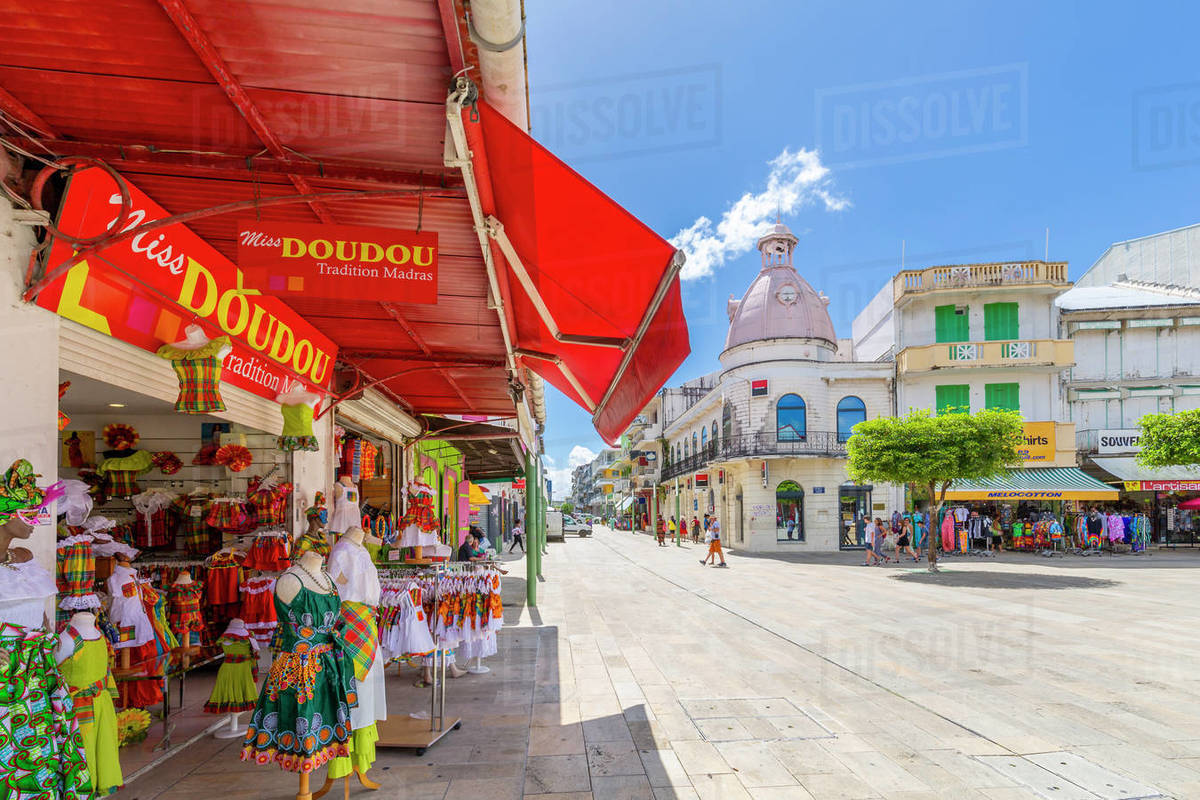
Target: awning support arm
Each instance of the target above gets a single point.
(495, 229)
(660, 294)
(565, 370)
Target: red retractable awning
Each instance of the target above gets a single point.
(586, 266)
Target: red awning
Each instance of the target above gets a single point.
(606, 281)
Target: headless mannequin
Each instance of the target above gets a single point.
(290, 582)
(84, 622)
(297, 395)
(185, 579)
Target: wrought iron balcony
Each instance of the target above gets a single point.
(760, 445)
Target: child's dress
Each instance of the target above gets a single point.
(92, 691)
(236, 688)
(183, 601)
(258, 608)
(128, 614)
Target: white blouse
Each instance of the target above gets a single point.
(24, 589)
(354, 573)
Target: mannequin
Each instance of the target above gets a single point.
(183, 600)
(297, 406)
(15, 529)
(82, 656)
(127, 612)
(235, 690)
(197, 362)
(299, 721)
(357, 580)
(346, 513)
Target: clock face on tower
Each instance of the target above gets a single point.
(787, 294)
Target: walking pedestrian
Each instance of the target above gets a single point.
(672, 526)
(714, 545)
(869, 534)
(881, 534)
(518, 538)
(904, 540)
(661, 533)
(695, 529)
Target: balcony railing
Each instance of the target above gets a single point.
(972, 276)
(1028, 352)
(752, 445)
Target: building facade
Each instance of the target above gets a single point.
(761, 442)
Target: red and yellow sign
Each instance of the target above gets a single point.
(1165, 486)
(1039, 442)
(339, 262)
(145, 290)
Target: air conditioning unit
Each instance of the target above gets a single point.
(960, 311)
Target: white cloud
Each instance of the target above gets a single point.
(795, 180)
(580, 455)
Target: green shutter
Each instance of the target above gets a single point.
(950, 326)
(953, 399)
(1002, 396)
(1000, 322)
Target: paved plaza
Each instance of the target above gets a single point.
(642, 674)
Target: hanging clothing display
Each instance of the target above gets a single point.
(189, 512)
(152, 525)
(199, 373)
(183, 603)
(404, 628)
(297, 429)
(269, 553)
(346, 513)
(227, 514)
(43, 752)
(419, 525)
(236, 688)
(84, 666)
(128, 613)
(76, 573)
(302, 717)
(269, 503)
(258, 608)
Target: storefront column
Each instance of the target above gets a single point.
(29, 360)
(530, 530)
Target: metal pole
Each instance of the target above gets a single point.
(530, 514)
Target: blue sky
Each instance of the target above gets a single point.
(962, 129)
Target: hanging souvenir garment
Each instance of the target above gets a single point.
(152, 527)
(76, 573)
(189, 512)
(183, 603)
(128, 613)
(357, 581)
(297, 407)
(268, 501)
(258, 608)
(222, 582)
(43, 752)
(269, 552)
(197, 363)
(404, 628)
(302, 717)
(63, 419)
(167, 462)
(419, 525)
(236, 688)
(144, 687)
(84, 666)
(227, 514)
(122, 464)
(346, 513)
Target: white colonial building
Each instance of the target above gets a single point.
(761, 442)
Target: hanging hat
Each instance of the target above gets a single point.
(234, 456)
(96, 525)
(167, 462)
(206, 456)
(120, 436)
(19, 490)
(76, 502)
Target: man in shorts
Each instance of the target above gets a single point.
(714, 545)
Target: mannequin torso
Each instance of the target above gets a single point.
(309, 572)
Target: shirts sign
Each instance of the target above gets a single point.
(1039, 444)
(1119, 440)
(339, 262)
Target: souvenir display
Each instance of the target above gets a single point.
(122, 464)
(297, 408)
(83, 658)
(197, 363)
(346, 513)
(236, 688)
(419, 525)
(258, 608)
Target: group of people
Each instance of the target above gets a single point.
(876, 532)
(711, 532)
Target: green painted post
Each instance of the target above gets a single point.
(541, 515)
(530, 515)
(678, 519)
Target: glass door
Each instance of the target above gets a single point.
(854, 509)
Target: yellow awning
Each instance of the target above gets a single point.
(476, 497)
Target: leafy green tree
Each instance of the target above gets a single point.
(934, 451)
(567, 507)
(1170, 440)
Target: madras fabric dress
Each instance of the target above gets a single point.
(76, 567)
(41, 750)
(236, 689)
(187, 624)
(199, 373)
(189, 513)
(120, 469)
(297, 429)
(302, 718)
(92, 692)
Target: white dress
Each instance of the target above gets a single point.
(357, 581)
(24, 590)
(127, 612)
(410, 635)
(346, 514)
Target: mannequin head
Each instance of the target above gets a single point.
(20, 503)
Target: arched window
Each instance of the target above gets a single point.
(704, 440)
(727, 421)
(791, 419)
(695, 444)
(685, 447)
(850, 411)
(714, 439)
(789, 512)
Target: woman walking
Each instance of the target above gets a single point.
(695, 530)
(870, 533)
(904, 539)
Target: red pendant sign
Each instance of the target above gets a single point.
(145, 290)
(339, 262)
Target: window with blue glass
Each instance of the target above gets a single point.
(714, 437)
(695, 444)
(791, 419)
(850, 411)
(704, 440)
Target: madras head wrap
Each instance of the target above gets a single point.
(19, 490)
(317, 509)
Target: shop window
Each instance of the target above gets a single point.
(953, 398)
(695, 443)
(704, 440)
(850, 411)
(1000, 322)
(1002, 396)
(951, 323)
(789, 512)
(727, 421)
(714, 439)
(791, 419)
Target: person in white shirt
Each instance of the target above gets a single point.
(870, 533)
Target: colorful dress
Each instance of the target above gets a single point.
(183, 601)
(76, 567)
(120, 469)
(41, 750)
(92, 692)
(199, 373)
(189, 513)
(346, 513)
(297, 429)
(236, 688)
(302, 719)
(128, 613)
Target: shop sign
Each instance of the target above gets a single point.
(1039, 442)
(758, 388)
(147, 289)
(339, 262)
(1171, 486)
(1133, 486)
(818, 490)
(1119, 440)
(701, 480)
(519, 483)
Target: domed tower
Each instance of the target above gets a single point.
(779, 310)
